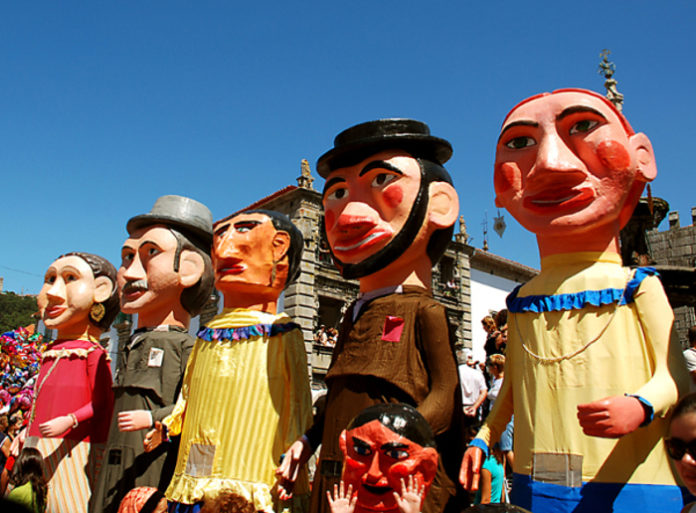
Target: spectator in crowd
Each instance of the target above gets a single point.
(501, 326)
(489, 327)
(474, 392)
(496, 366)
(492, 478)
(690, 356)
(143, 499)
(227, 501)
(30, 487)
(680, 444)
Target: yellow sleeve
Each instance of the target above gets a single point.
(297, 381)
(175, 420)
(670, 378)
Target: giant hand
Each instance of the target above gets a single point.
(611, 417)
(470, 471)
(296, 456)
(57, 426)
(134, 420)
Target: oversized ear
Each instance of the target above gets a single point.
(342, 443)
(191, 267)
(103, 287)
(281, 245)
(443, 207)
(645, 157)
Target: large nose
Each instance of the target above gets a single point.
(135, 271)
(356, 216)
(56, 292)
(688, 459)
(553, 156)
(225, 246)
(374, 473)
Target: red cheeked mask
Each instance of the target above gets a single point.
(377, 458)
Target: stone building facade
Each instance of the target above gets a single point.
(674, 252)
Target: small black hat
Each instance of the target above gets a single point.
(359, 141)
(185, 214)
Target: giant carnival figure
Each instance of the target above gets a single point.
(246, 393)
(590, 372)
(73, 400)
(390, 208)
(165, 278)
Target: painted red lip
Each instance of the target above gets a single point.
(133, 294)
(559, 200)
(365, 240)
(230, 266)
(54, 311)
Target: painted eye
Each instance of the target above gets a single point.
(338, 194)
(582, 127)
(70, 277)
(397, 454)
(362, 450)
(152, 251)
(50, 280)
(382, 179)
(520, 142)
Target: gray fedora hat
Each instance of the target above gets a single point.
(360, 141)
(187, 215)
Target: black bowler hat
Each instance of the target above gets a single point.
(185, 214)
(358, 142)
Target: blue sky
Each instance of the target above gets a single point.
(104, 106)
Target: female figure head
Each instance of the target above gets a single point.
(681, 444)
(79, 296)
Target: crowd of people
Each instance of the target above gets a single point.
(326, 337)
(480, 383)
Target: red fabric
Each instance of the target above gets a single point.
(77, 385)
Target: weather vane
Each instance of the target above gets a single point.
(607, 69)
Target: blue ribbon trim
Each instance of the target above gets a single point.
(246, 332)
(578, 300)
(477, 442)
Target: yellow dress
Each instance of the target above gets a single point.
(244, 400)
(574, 340)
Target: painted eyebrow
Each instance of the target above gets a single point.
(361, 442)
(222, 229)
(330, 183)
(522, 122)
(250, 222)
(394, 445)
(379, 164)
(574, 109)
(150, 242)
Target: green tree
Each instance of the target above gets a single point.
(16, 311)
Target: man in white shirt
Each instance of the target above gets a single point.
(474, 391)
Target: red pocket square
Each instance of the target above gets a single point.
(393, 326)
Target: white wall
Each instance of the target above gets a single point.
(488, 293)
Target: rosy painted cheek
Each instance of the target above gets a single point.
(329, 220)
(393, 196)
(506, 177)
(402, 469)
(613, 155)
